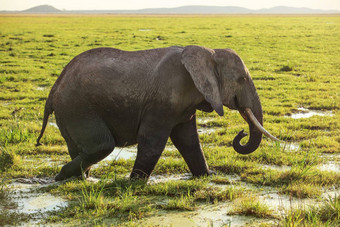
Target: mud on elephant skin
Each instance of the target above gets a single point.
(107, 98)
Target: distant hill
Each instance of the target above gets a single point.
(233, 10)
(197, 10)
(293, 10)
(42, 9)
(182, 10)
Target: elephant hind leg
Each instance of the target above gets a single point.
(88, 142)
(72, 147)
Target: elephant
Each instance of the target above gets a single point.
(106, 98)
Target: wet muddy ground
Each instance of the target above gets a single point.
(28, 199)
(27, 196)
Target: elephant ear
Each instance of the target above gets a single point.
(199, 62)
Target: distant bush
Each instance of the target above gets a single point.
(7, 159)
(286, 68)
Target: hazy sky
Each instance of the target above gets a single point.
(140, 4)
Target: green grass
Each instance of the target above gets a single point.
(294, 62)
(251, 206)
(326, 215)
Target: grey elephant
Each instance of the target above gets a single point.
(107, 98)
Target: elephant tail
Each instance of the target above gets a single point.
(48, 111)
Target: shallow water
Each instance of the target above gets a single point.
(306, 113)
(206, 130)
(25, 192)
(331, 162)
(211, 215)
(290, 146)
(204, 120)
(330, 166)
(38, 203)
(276, 167)
(53, 124)
(30, 201)
(155, 179)
(122, 153)
(281, 204)
(41, 88)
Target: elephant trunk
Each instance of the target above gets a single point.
(255, 134)
(254, 118)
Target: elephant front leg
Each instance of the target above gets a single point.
(185, 138)
(149, 150)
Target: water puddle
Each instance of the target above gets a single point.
(331, 193)
(330, 166)
(39, 203)
(164, 178)
(306, 113)
(6, 104)
(211, 215)
(290, 147)
(37, 162)
(206, 130)
(204, 120)
(283, 203)
(276, 167)
(24, 192)
(144, 30)
(53, 124)
(41, 88)
(122, 153)
(331, 162)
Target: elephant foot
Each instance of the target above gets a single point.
(61, 177)
(76, 168)
(139, 175)
(205, 173)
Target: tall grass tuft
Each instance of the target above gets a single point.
(92, 198)
(15, 133)
(251, 206)
(331, 210)
(7, 159)
(328, 214)
(184, 202)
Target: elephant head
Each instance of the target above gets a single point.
(223, 79)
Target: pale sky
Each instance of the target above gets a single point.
(141, 4)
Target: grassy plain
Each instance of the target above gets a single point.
(295, 65)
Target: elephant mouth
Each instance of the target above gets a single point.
(233, 104)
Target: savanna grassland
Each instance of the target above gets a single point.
(295, 65)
